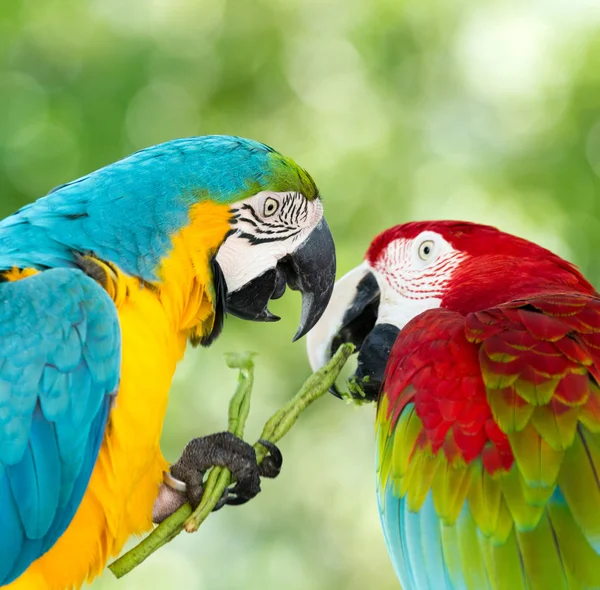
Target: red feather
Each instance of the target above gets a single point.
(489, 420)
(443, 360)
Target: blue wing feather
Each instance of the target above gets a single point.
(12, 538)
(392, 519)
(61, 351)
(432, 547)
(74, 485)
(80, 215)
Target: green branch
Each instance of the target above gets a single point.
(219, 477)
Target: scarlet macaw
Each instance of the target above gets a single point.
(102, 284)
(483, 352)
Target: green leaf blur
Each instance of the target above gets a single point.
(400, 109)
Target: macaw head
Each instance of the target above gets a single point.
(232, 214)
(411, 268)
(278, 237)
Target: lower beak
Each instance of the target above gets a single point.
(372, 360)
(351, 317)
(310, 269)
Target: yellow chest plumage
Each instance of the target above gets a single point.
(155, 325)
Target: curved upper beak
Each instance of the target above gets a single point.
(352, 317)
(309, 269)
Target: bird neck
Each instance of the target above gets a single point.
(186, 286)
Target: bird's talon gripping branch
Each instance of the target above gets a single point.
(271, 464)
(224, 499)
(270, 467)
(224, 449)
(275, 429)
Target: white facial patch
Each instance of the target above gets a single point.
(412, 275)
(267, 227)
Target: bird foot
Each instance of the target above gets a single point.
(224, 449)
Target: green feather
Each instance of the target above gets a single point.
(509, 410)
(407, 431)
(578, 483)
(420, 476)
(485, 500)
(541, 557)
(590, 413)
(537, 394)
(462, 553)
(450, 487)
(537, 461)
(556, 424)
(582, 563)
(287, 175)
(503, 564)
(525, 514)
(492, 378)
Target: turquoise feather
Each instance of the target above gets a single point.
(128, 211)
(54, 405)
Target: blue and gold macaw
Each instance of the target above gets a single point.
(102, 284)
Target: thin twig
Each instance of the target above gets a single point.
(219, 478)
(239, 408)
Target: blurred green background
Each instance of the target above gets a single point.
(400, 109)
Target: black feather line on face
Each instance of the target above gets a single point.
(272, 232)
(268, 230)
(304, 210)
(286, 209)
(255, 240)
(248, 220)
(220, 297)
(295, 209)
(262, 222)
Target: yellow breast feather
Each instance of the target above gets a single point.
(156, 322)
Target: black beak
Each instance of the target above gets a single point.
(310, 269)
(358, 326)
(372, 360)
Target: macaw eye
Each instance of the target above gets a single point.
(271, 206)
(426, 250)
